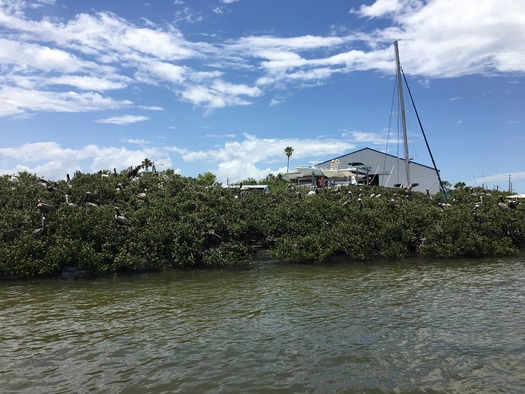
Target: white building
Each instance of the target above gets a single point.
(387, 170)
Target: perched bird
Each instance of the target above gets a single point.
(361, 205)
(40, 231)
(45, 207)
(133, 172)
(142, 195)
(69, 204)
(502, 203)
(88, 203)
(122, 220)
(349, 200)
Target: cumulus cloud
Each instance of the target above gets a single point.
(236, 160)
(51, 160)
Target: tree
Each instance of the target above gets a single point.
(206, 179)
(147, 163)
(288, 152)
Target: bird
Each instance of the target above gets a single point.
(361, 205)
(90, 206)
(68, 178)
(122, 220)
(14, 179)
(69, 204)
(40, 231)
(45, 207)
(142, 195)
(502, 203)
(133, 172)
(349, 200)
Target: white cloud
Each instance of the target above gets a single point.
(87, 83)
(17, 101)
(250, 157)
(88, 51)
(123, 119)
(51, 160)
(381, 8)
(220, 94)
(137, 141)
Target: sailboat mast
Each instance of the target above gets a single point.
(403, 119)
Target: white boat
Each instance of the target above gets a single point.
(309, 171)
(292, 176)
(333, 171)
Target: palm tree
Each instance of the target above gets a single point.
(147, 163)
(288, 152)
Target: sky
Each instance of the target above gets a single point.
(224, 86)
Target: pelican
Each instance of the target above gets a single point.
(90, 206)
(122, 220)
(502, 204)
(133, 172)
(69, 204)
(143, 195)
(349, 199)
(44, 207)
(40, 231)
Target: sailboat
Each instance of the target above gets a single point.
(356, 169)
(400, 76)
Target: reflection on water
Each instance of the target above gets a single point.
(444, 326)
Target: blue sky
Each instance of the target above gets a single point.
(225, 85)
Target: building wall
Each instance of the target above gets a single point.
(390, 169)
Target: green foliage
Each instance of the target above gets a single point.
(184, 222)
(206, 179)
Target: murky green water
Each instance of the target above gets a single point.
(447, 326)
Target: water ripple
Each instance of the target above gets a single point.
(447, 326)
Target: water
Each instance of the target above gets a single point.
(409, 326)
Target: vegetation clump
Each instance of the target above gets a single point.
(136, 221)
